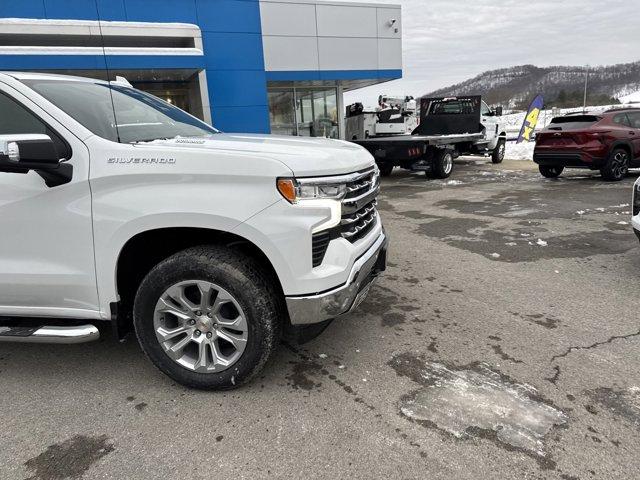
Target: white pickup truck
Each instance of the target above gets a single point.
(116, 207)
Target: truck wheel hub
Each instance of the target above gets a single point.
(204, 324)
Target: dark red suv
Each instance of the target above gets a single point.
(609, 142)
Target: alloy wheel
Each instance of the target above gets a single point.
(200, 326)
(619, 164)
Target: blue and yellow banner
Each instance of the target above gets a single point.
(531, 120)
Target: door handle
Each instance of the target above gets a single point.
(632, 133)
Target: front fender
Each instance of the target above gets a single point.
(109, 248)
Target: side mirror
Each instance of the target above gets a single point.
(22, 153)
(498, 111)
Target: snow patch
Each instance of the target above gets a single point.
(468, 403)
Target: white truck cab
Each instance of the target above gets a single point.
(117, 207)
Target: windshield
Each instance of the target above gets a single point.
(140, 117)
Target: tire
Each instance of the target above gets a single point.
(385, 169)
(443, 164)
(497, 156)
(167, 302)
(550, 171)
(617, 166)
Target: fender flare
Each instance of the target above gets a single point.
(107, 259)
(622, 143)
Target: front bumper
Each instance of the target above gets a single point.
(311, 309)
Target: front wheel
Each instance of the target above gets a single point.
(207, 317)
(497, 156)
(617, 166)
(549, 171)
(443, 164)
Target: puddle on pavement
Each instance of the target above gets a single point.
(475, 401)
(69, 459)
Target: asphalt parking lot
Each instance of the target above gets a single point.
(502, 343)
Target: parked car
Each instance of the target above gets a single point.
(118, 208)
(609, 142)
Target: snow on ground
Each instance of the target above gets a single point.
(521, 151)
(513, 123)
(632, 98)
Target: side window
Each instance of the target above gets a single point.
(485, 110)
(622, 119)
(634, 118)
(17, 120)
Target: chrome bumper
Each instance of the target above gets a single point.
(310, 309)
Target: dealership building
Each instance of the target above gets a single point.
(277, 66)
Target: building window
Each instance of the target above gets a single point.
(307, 112)
(282, 113)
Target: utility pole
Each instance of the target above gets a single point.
(586, 86)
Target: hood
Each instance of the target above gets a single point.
(306, 157)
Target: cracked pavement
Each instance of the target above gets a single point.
(501, 343)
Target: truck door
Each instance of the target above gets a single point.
(46, 246)
(489, 122)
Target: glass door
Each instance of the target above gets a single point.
(317, 112)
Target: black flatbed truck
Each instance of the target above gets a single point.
(449, 127)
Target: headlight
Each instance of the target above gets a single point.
(296, 190)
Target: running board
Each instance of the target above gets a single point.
(45, 334)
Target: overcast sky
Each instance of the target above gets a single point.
(448, 41)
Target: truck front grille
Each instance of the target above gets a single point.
(356, 225)
(359, 213)
(361, 185)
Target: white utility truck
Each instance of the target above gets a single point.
(118, 208)
(394, 116)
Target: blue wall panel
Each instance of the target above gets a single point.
(71, 9)
(97, 62)
(251, 119)
(233, 51)
(232, 41)
(112, 10)
(236, 88)
(52, 62)
(22, 9)
(177, 11)
(308, 75)
(240, 16)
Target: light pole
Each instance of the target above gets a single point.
(586, 86)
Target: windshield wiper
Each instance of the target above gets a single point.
(134, 142)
